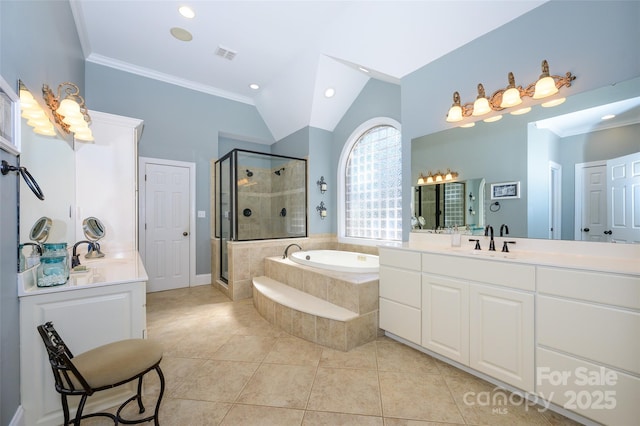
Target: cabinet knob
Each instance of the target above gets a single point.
(609, 232)
(586, 229)
(185, 233)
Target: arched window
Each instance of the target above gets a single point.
(370, 184)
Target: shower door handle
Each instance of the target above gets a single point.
(185, 233)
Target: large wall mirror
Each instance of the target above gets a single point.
(556, 156)
(51, 161)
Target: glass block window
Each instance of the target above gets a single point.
(373, 186)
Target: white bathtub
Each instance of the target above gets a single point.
(335, 260)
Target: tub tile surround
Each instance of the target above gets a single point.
(246, 259)
(357, 293)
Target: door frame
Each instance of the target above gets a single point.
(578, 190)
(555, 200)
(142, 165)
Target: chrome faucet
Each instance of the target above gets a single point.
(492, 244)
(286, 251)
(75, 258)
(504, 230)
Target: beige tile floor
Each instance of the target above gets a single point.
(225, 365)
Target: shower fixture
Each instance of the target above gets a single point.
(249, 173)
(279, 171)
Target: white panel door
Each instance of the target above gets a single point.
(623, 198)
(593, 220)
(501, 334)
(445, 317)
(167, 226)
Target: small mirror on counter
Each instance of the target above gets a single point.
(93, 230)
(40, 230)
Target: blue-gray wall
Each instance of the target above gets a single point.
(595, 40)
(179, 124)
(38, 44)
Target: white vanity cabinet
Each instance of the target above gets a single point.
(445, 317)
(588, 348)
(480, 313)
(400, 293)
(85, 318)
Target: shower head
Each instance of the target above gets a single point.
(249, 173)
(279, 171)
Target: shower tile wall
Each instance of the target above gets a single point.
(266, 194)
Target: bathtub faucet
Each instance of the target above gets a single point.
(286, 251)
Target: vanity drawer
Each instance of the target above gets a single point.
(599, 333)
(610, 289)
(506, 274)
(400, 258)
(400, 285)
(401, 320)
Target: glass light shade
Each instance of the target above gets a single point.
(521, 111)
(26, 100)
(86, 136)
(546, 86)
(46, 131)
(493, 119)
(454, 114)
(34, 114)
(553, 102)
(38, 122)
(468, 125)
(68, 107)
(448, 176)
(481, 107)
(421, 180)
(511, 97)
(429, 179)
(323, 213)
(438, 177)
(75, 120)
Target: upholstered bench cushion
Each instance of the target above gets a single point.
(116, 362)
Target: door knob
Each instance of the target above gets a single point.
(185, 233)
(586, 229)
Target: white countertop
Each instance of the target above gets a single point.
(597, 257)
(114, 268)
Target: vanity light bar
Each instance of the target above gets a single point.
(510, 96)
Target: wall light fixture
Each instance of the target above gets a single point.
(69, 110)
(322, 210)
(512, 95)
(438, 177)
(322, 184)
(33, 112)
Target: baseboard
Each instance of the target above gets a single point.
(202, 279)
(18, 417)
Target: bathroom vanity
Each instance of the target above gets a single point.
(104, 304)
(556, 320)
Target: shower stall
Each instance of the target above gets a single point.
(258, 196)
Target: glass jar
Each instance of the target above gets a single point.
(54, 265)
(52, 270)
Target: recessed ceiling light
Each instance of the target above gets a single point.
(186, 11)
(254, 86)
(329, 92)
(608, 116)
(181, 34)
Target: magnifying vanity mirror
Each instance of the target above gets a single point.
(544, 156)
(94, 231)
(40, 230)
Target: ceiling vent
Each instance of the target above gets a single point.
(225, 53)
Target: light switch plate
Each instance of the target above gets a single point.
(202, 213)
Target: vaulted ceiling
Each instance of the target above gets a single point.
(294, 50)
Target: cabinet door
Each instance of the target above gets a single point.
(445, 317)
(501, 334)
(85, 319)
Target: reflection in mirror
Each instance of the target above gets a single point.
(93, 230)
(40, 230)
(52, 160)
(441, 207)
(543, 158)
